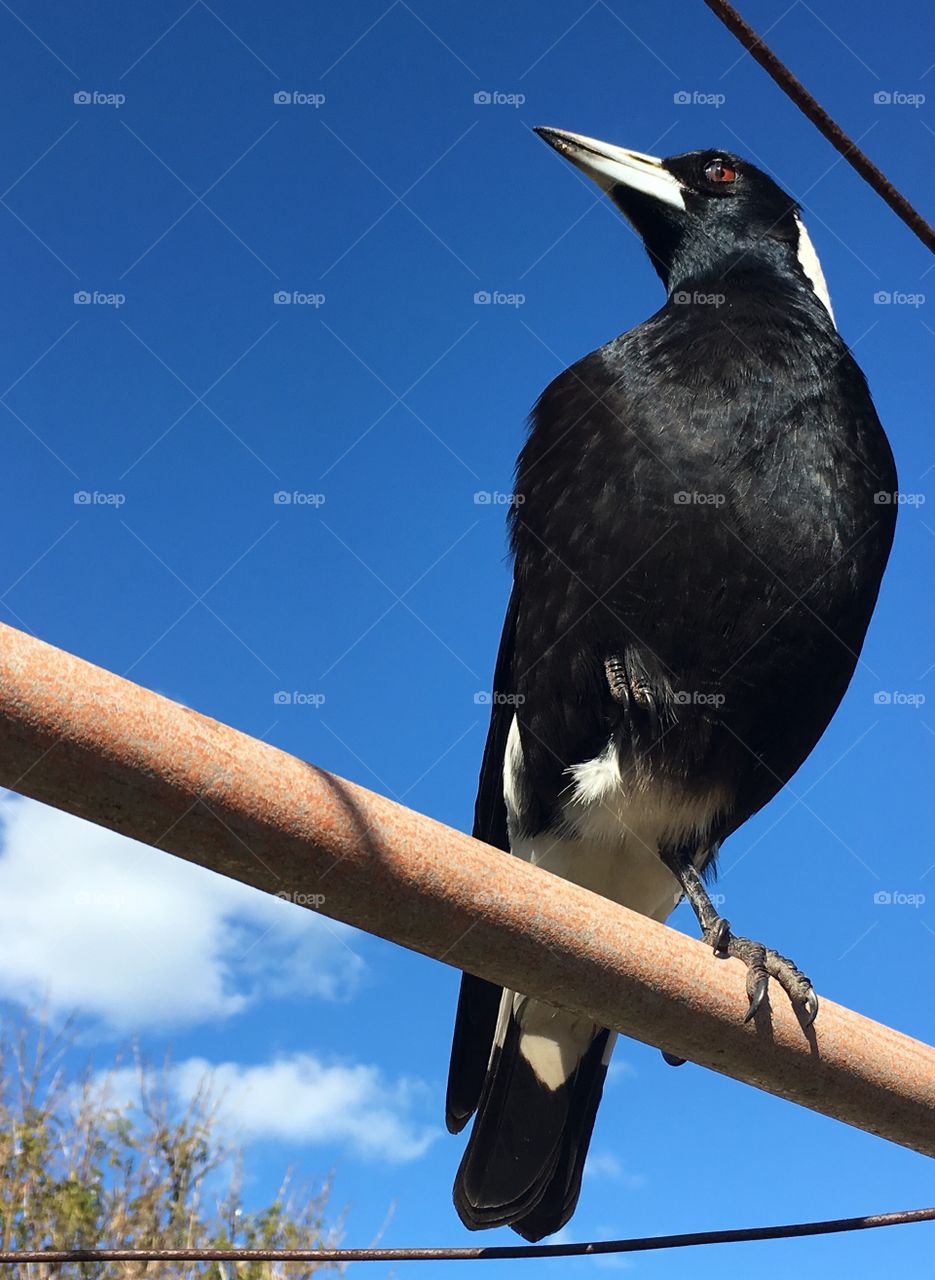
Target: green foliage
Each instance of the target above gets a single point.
(80, 1168)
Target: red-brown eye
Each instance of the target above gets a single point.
(719, 171)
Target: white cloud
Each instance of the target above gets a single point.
(606, 1165)
(562, 1236)
(94, 922)
(619, 1069)
(603, 1165)
(300, 1099)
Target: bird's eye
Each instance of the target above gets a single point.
(719, 171)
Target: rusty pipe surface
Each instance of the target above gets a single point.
(77, 737)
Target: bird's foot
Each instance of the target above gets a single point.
(762, 964)
(616, 674)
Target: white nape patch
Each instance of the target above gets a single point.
(808, 260)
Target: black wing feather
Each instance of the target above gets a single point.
(479, 1001)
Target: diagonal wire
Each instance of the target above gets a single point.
(814, 111)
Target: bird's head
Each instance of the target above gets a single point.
(700, 213)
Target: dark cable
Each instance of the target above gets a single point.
(481, 1254)
(822, 121)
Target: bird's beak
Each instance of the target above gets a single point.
(611, 166)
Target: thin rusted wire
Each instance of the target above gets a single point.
(641, 1244)
(819, 117)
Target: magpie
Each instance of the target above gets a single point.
(703, 512)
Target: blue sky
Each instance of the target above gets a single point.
(180, 197)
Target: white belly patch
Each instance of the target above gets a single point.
(613, 831)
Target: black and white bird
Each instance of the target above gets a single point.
(698, 541)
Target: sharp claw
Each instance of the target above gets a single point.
(722, 936)
(756, 999)
(811, 1007)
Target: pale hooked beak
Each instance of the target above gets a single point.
(611, 166)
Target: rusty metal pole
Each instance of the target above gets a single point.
(74, 736)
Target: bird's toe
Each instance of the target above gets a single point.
(762, 964)
(796, 985)
(718, 935)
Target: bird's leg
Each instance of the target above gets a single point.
(762, 962)
(714, 928)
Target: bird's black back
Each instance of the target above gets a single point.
(698, 498)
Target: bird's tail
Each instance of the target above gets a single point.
(526, 1152)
